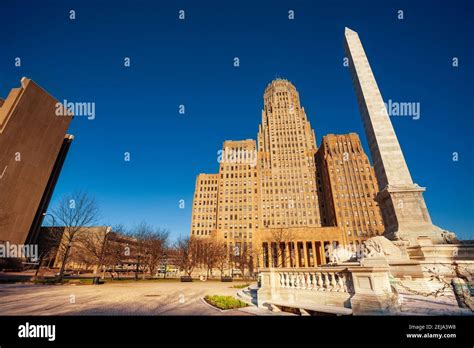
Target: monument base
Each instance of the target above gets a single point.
(406, 216)
(364, 304)
(412, 235)
(426, 250)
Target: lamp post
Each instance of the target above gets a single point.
(52, 216)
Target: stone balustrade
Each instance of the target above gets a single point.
(363, 289)
(315, 280)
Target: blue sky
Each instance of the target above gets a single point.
(190, 62)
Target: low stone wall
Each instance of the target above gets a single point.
(305, 285)
(421, 279)
(364, 289)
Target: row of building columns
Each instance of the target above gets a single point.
(297, 254)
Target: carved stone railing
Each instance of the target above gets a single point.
(323, 279)
(364, 289)
(315, 280)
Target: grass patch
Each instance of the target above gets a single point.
(240, 286)
(66, 281)
(55, 281)
(132, 280)
(224, 302)
(82, 281)
(49, 281)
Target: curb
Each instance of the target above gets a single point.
(215, 308)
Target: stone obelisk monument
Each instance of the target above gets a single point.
(401, 202)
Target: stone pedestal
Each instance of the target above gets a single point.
(373, 293)
(425, 250)
(266, 284)
(405, 214)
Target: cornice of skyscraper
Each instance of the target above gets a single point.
(279, 82)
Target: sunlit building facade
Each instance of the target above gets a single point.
(287, 145)
(205, 205)
(283, 200)
(348, 187)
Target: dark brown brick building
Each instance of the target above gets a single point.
(33, 147)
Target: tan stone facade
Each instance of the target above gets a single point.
(32, 140)
(205, 205)
(287, 145)
(282, 201)
(238, 198)
(348, 188)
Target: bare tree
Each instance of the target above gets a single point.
(277, 240)
(222, 257)
(91, 250)
(75, 212)
(187, 250)
(242, 258)
(141, 234)
(212, 253)
(117, 251)
(155, 249)
(49, 241)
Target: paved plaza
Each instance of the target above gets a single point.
(127, 298)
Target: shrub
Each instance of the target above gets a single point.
(224, 302)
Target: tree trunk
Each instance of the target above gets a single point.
(136, 268)
(63, 265)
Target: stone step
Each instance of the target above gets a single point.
(246, 296)
(313, 307)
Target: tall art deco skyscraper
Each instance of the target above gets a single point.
(292, 202)
(287, 146)
(280, 200)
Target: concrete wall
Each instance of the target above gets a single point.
(31, 136)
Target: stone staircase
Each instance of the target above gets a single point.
(249, 295)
